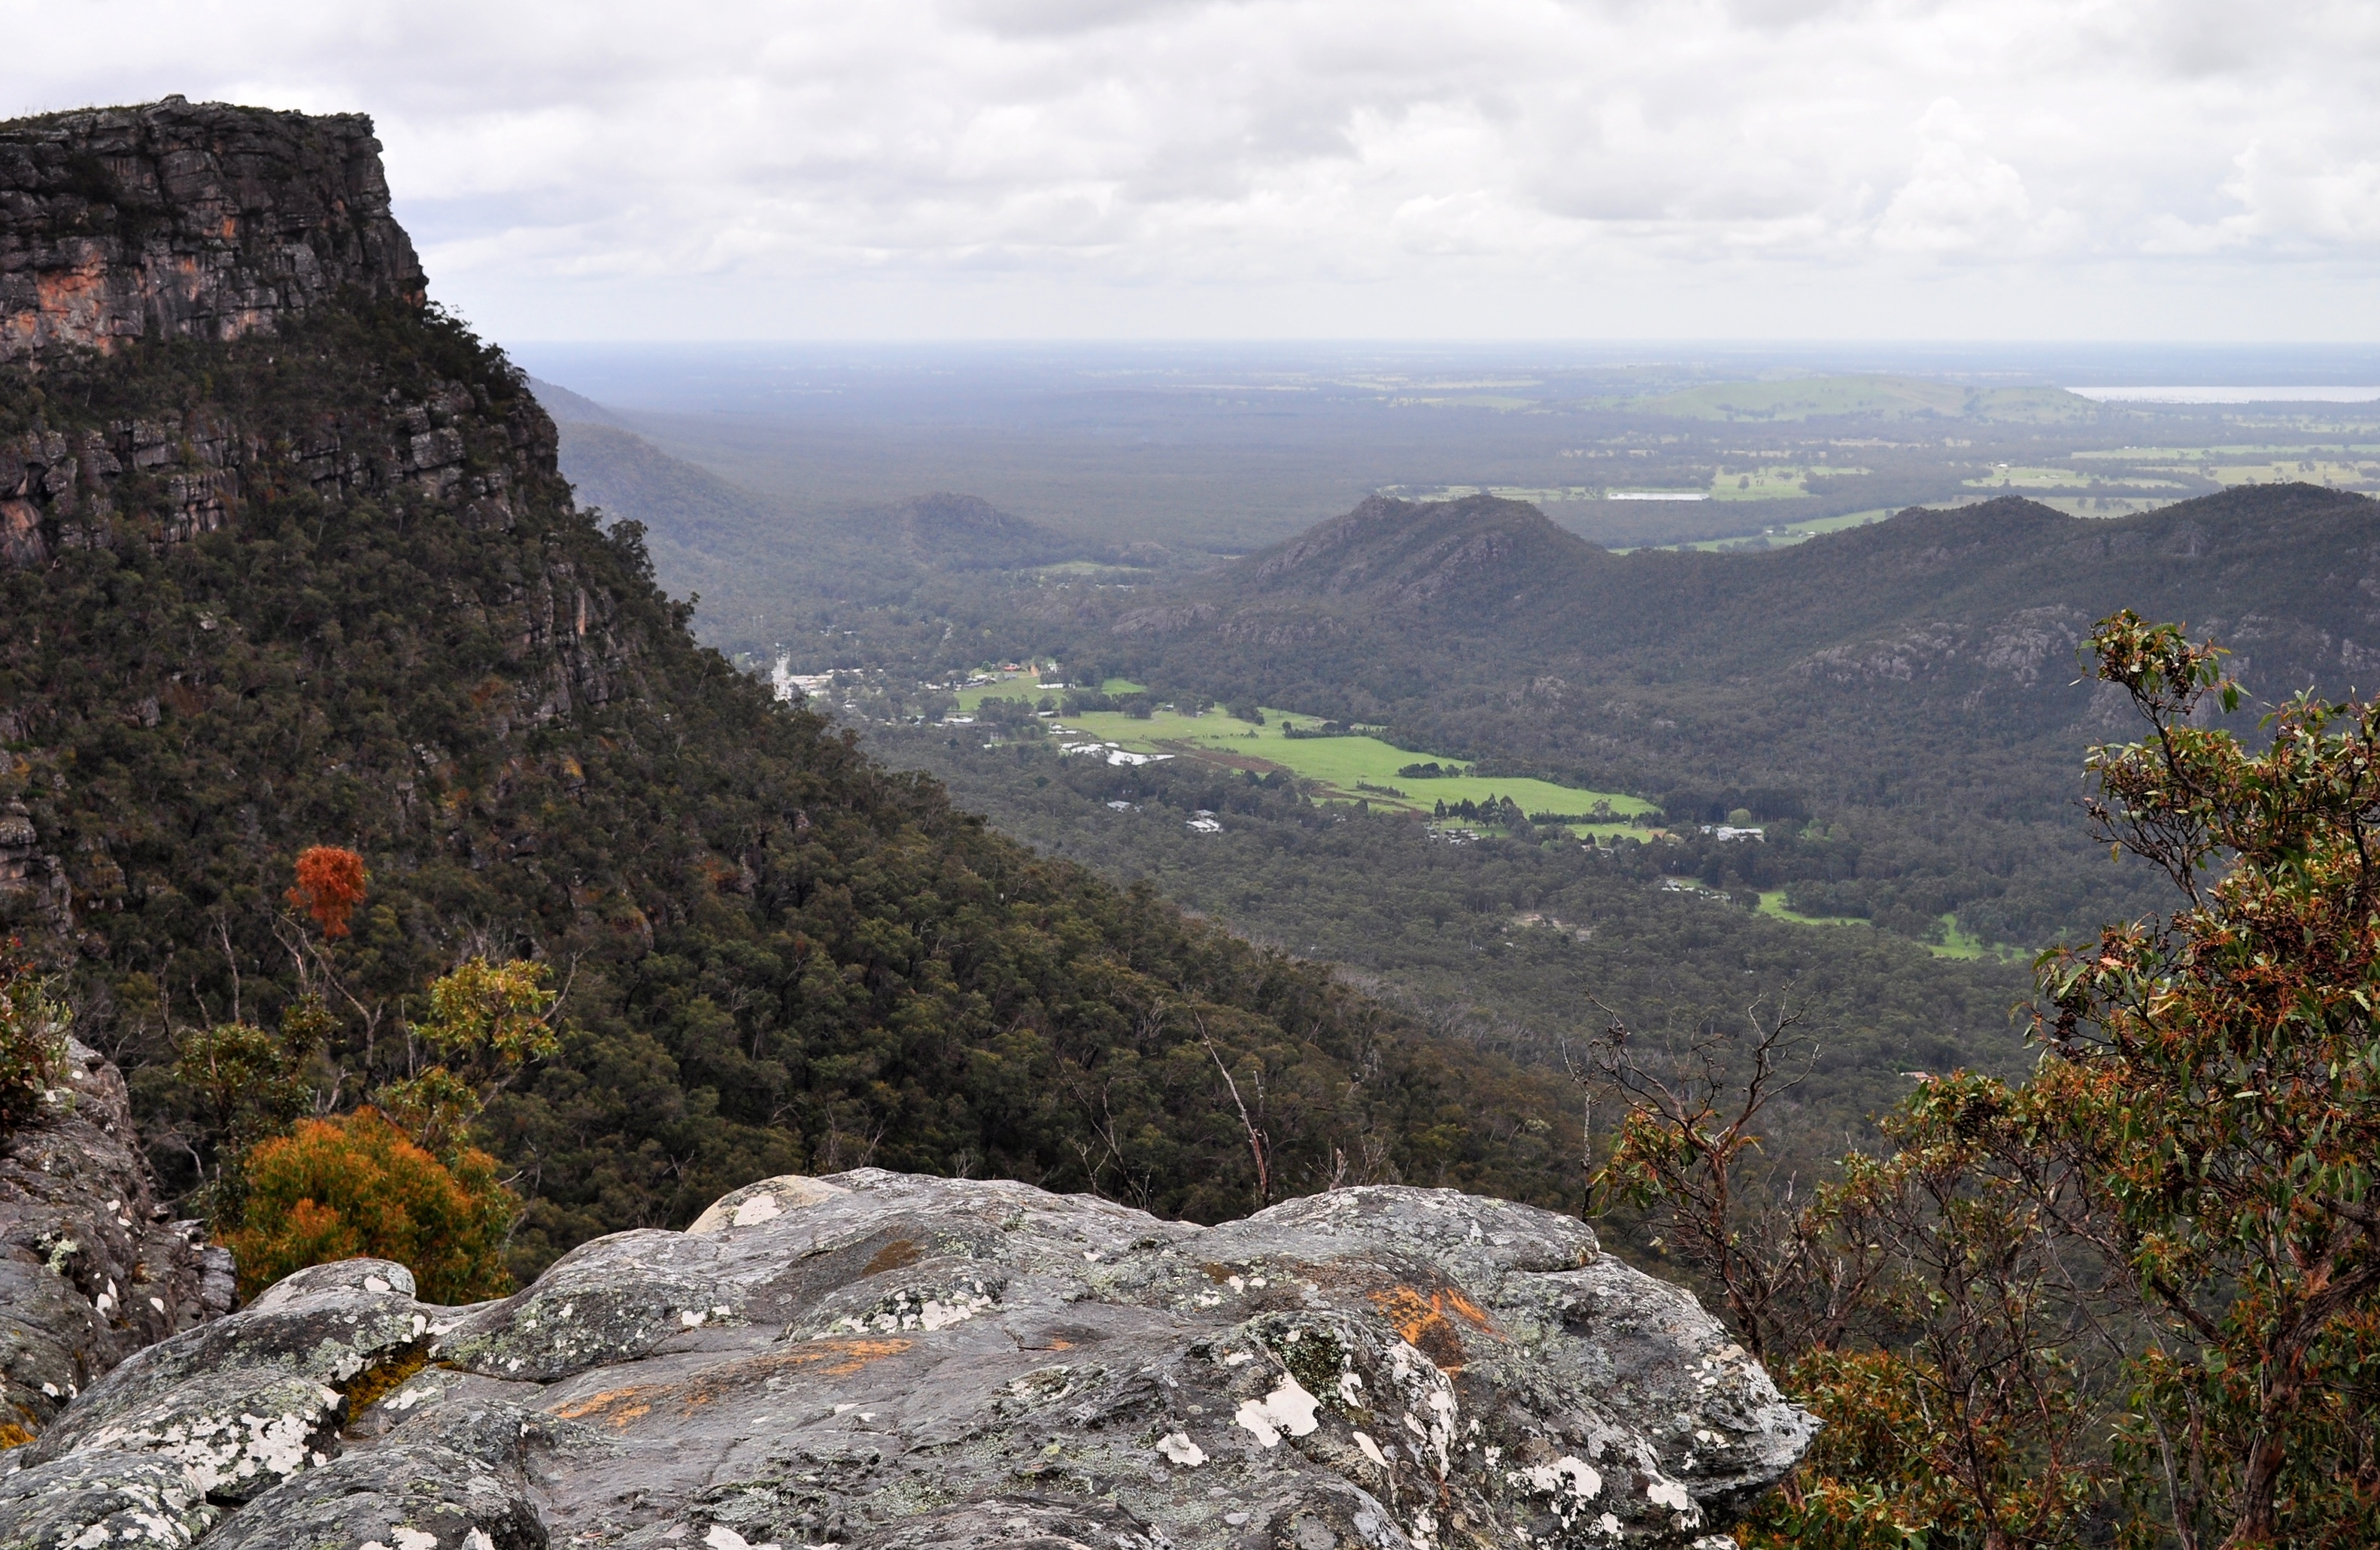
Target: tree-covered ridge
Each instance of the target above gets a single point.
(778, 955)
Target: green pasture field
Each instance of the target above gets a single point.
(1339, 763)
(1079, 570)
(1790, 533)
(1780, 483)
(2295, 470)
(2146, 457)
(1505, 401)
(1772, 904)
(2032, 479)
(1955, 943)
(2343, 465)
(1888, 396)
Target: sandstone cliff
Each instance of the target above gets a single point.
(881, 1360)
(182, 220)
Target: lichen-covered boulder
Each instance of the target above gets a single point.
(884, 1361)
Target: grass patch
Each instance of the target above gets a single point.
(1341, 763)
(1772, 483)
(1957, 943)
(1772, 904)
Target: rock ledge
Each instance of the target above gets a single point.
(887, 1360)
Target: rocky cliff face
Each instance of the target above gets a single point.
(881, 1360)
(89, 1270)
(182, 220)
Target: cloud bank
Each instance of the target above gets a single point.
(1239, 168)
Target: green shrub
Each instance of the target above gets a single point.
(33, 1041)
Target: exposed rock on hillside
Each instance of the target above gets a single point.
(88, 1273)
(188, 221)
(881, 1360)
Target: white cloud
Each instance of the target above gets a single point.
(797, 167)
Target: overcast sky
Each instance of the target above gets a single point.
(1987, 169)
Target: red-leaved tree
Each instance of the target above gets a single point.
(330, 885)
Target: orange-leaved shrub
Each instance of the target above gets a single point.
(357, 1185)
(330, 885)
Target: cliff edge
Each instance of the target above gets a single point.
(895, 1361)
(89, 1269)
(188, 220)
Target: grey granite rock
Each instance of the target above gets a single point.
(88, 1274)
(884, 1361)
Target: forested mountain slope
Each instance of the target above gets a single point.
(1916, 677)
(766, 570)
(308, 574)
(1978, 598)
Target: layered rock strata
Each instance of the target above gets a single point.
(208, 222)
(89, 1270)
(182, 220)
(879, 1360)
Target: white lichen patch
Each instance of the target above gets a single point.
(1178, 1446)
(220, 1450)
(1429, 1393)
(917, 1309)
(1288, 1409)
(1566, 1476)
(1671, 1494)
(721, 1537)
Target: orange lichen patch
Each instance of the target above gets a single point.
(617, 1406)
(1422, 1320)
(894, 1256)
(834, 1359)
(855, 1353)
(13, 1435)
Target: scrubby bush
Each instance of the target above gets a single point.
(33, 1041)
(336, 1189)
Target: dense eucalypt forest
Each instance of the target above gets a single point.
(1518, 940)
(773, 954)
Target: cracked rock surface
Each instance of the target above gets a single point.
(88, 1273)
(887, 1360)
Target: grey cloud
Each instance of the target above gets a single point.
(570, 164)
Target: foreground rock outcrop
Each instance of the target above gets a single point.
(89, 1272)
(879, 1360)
